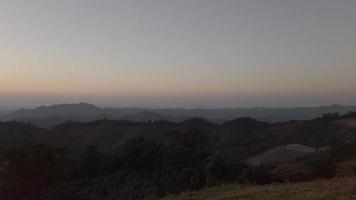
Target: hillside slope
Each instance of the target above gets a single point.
(336, 189)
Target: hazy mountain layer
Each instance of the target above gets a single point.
(48, 116)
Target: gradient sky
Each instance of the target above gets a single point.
(215, 53)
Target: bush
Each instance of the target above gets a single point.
(255, 175)
(216, 170)
(60, 192)
(184, 179)
(179, 158)
(291, 172)
(322, 165)
(34, 169)
(347, 168)
(141, 155)
(91, 161)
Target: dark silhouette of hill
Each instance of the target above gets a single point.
(260, 113)
(149, 116)
(121, 159)
(63, 110)
(49, 116)
(17, 133)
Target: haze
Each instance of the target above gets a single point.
(165, 53)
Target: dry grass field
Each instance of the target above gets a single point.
(334, 189)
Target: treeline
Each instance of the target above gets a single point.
(144, 169)
(160, 158)
(139, 169)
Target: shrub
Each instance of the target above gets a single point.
(141, 155)
(184, 179)
(216, 170)
(90, 164)
(290, 172)
(34, 169)
(347, 168)
(255, 175)
(179, 158)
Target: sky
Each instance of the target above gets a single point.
(178, 53)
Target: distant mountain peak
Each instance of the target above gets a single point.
(62, 110)
(83, 111)
(65, 106)
(72, 104)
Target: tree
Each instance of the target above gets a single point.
(255, 175)
(141, 154)
(34, 169)
(216, 170)
(91, 163)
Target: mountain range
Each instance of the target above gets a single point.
(49, 116)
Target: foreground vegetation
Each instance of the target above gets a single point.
(332, 189)
(106, 160)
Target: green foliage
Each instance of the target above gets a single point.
(91, 161)
(34, 169)
(317, 133)
(350, 115)
(62, 191)
(347, 168)
(290, 172)
(15, 133)
(141, 155)
(216, 170)
(122, 185)
(323, 165)
(178, 158)
(330, 116)
(185, 179)
(193, 138)
(138, 160)
(255, 175)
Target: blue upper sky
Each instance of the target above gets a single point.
(216, 53)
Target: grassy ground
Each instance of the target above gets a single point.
(334, 189)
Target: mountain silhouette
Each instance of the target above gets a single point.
(149, 116)
(63, 110)
(48, 116)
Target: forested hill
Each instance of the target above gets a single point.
(110, 159)
(49, 116)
